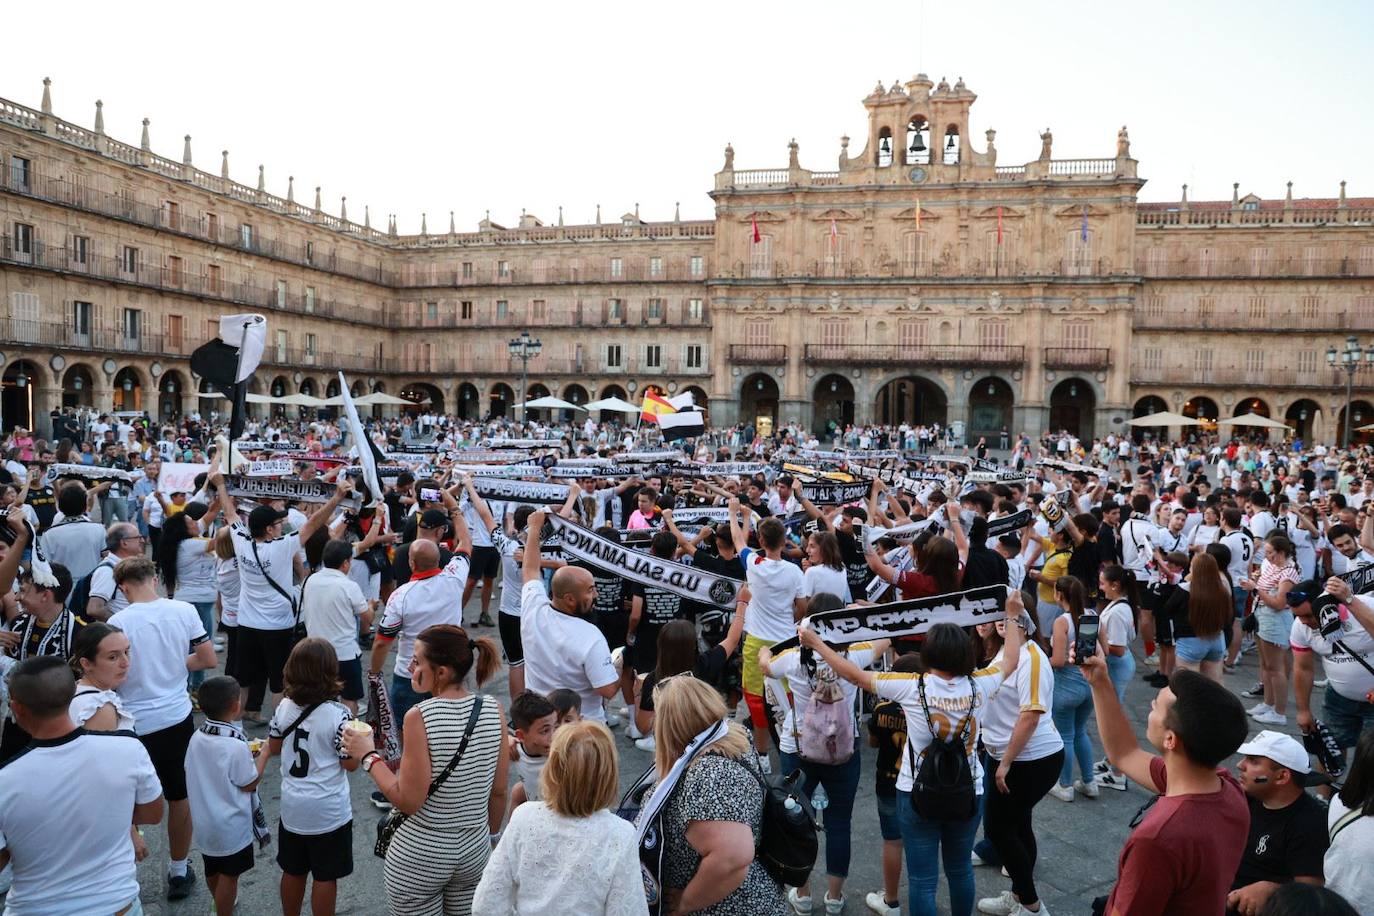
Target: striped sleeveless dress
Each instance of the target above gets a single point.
(436, 858)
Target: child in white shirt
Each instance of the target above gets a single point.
(535, 719)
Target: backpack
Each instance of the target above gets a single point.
(942, 785)
(827, 728)
(80, 594)
(788, 843)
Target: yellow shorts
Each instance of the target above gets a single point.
(752, 674)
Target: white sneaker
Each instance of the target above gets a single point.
(1112, 781)
(1261, 709)
(1063, 793)
(1001, 905)
(624, 711)
(800, 905)
(612, 720)
(876, 902)
(1152, 660)
(1320, 682)
(646, 743)
(833, 907)
(633, 730)
(1086, 788)
(766, 766)
(1271, 718)
(1102, 766)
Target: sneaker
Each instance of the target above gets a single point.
(1063, 793)
(180, 888)
(612, 720)
(379, 800)
(1088, 789)
(833, 907)
(633, 730)
(1321, 682)
(646, 743)
(624, 712)
(800, 905)
(485, 621)
(1271, 718)
(765, 765)
(876, 902)
(1260, 710)
(1256, 690)
(1112, 781)
(1004, 904)
(1247, 643)
(1152, 660)
(979, 861)
(1229, 667)
(1102, 766)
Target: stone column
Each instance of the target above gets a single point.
(44, 400)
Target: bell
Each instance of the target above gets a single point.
(885, 145)
(949, 142)
(917, 145)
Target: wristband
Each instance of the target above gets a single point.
(369, 761)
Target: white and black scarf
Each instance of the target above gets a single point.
(520, 491)
(261, 832)
(905, 618)
(56, 640)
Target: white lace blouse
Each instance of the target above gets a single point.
(548, 865)
(89, 701)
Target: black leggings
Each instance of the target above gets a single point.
(1007, 817)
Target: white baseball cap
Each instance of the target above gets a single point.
(1284, 750)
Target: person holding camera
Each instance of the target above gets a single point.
(1339, 627)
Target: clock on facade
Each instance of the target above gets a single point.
(917, 175)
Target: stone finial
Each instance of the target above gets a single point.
(424, 226)
(1235, 193)
(636, 211)
(1185, 194)
(47, 96)
(729, 159)
(959, 85)
(792, 160)
(367, 217)
(844, 143)
(453, 224)
(343, 209)
(677, 211)
(99, 118)
(290, 189)
(991, 136)
(317, 199)
(144, 143)
(1340, 201)
(598, 214)
(186, 150)
(1288, 197)
(560, 214)
(262, 178)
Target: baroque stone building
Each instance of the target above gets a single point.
(919, 280)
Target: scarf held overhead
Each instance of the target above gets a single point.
(905, 618)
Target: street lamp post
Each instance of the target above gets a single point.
(523, 348)
(1348, 359)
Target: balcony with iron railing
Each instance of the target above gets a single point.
(1322, 378)
(1047, 170)
(481, 275)
(918, 354)
(1244, 268)
(178, 280)
(1273, 319)
(1004, 267)
(758, 354)
(1078, 358)
(1263, 218)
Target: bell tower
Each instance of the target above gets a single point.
(919, 132)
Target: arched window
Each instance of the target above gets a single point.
(884, 147)
(917, 141)
(953, 145)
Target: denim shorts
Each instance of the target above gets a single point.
(1275, 627)
(887, 818)
(1346, 718)
(1195, 649)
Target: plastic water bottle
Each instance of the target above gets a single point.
(820, 801)
(791, 805)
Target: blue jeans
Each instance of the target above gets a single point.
(206, 609)
(1073, 703)
(1121, 668)
(403, 697)
(841, 783)
(1346, 718)
(927, 843)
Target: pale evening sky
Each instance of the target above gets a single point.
(412, 107)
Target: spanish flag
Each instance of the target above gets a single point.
(654, 405)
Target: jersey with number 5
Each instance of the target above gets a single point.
(314, 786)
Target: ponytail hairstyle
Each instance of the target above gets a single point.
(1119, 575)
(1074, 595)
(449, 646)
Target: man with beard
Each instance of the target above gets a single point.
(562, 647)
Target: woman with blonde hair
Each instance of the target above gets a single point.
(567, 852)
(699, 828)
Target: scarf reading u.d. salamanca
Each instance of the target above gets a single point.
(687, 581)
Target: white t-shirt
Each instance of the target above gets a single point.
(331, 604)
(228, 584)
(196, 571)
(103, 586)
(787, 667)
(422, 603)
(153, 507)
(773, 587)
(261, 606)
(1348, 866)
(1030, 688)
(314, 787)
(221, 812)
(75, 543)
(161, 634)
(102, 776)
(1117, 623)
(1346, 675)
(1016, 572)
(822, 579)
(1137, 545)
(512, 576)
(1304, 547)
(563, 651)
(950, 701)
(1261, 523)
(1204, 535)
(1242, 554)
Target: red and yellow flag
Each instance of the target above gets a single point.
(654, 405)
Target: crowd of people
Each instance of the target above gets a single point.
(162, 644)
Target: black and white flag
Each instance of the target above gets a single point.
(684, 424)
(905, 618)
(369, 455)
(832, 494)
(229, 361)
(520, 491)
(687, 581)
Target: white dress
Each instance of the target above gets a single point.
(549, 865)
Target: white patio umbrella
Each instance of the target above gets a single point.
(301, 400)
(381, 397)
(261, 399)
(1253, 419)
(1164, 418)
(551, 402)
(618, 405)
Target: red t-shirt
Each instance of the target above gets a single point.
(913, 584)
(1182, 858)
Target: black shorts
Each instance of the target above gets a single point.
(167, 747)
(262, 656)
(232, 865)
(509, 627)
(231, 649)
(323, 856)
(351, 673)
(1164, 628)
(486, 563)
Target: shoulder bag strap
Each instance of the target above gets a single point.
(1340, 644)
(295, 610)
(462, 746)
(299, 719)
(1345, 821)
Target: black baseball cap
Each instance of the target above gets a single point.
(1303, 592)
(433, 518)
(262, 518)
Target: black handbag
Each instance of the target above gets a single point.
(393, 819)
